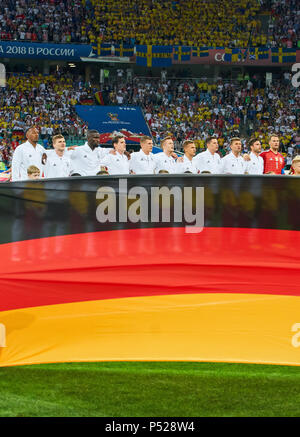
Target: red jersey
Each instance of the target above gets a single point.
(273, 162)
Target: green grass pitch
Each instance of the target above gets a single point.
(150, 389)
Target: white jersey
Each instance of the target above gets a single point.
(232, 164)
(164, 162)
(116, 163)
(86, 161)
(24, 156)
(140, 163)
(206, 161)
(186, 165)
(255, 165)
(57, 166)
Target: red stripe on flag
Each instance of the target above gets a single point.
(148, 262)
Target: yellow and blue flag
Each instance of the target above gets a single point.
(283, 55)
(103, 49)
(200, 52)
(232, 55)
(126, 50)
(182, 53)
(154, 56)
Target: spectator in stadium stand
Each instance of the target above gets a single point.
(26, 154)
(187, 164)
(210, 159)
(198, 109)
(221, 24)
(284, 29)
(274, 162)
(296, 140)
(33, 172)
(143, 162)
(256, 164)
(117, 163)
(58, 163)
(165, 160)
(233, 163)
(295, 167)
(86, 159)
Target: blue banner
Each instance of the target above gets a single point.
(110, 120)
(63, 52)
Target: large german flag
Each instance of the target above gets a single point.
(75, 289)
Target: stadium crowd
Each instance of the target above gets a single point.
(42, 21)
(183, 108)
(234, 23)
(284, 24)
(198, 109)
(192, 22)
(47, 101)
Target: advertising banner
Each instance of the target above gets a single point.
(158, 268)
(58, 52)
(152, 56)
(109, 120)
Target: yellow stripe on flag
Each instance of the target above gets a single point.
(218, 327)
(149, 56)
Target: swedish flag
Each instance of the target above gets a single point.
(203, 52)
(283, 55)
(104, 49)
(182, 53)
(142, 55)
(126, 50)
(154, 56)
(200, 51)
(196, 51)
(289, 55)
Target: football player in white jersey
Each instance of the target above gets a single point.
(27, 154)
(233, 163)
(58, 163)
(256, 164)
(118, 162)
(209, 161)
(187, 163)
(143, 161)
(165, 160)
(86, 159)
